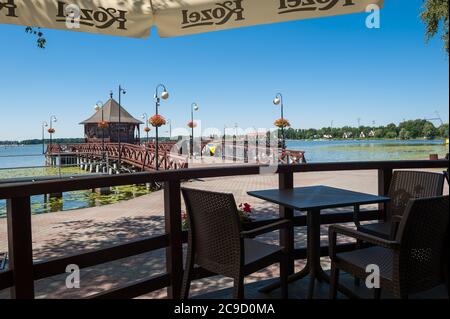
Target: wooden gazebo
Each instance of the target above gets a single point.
(105, 125)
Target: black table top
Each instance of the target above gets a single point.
(316, 197)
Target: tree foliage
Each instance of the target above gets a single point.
(414, 129)
(435, 16)
(40, 39)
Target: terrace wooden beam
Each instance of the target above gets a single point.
(20, 247)
(57, 266)
(174, 253)
(9, 190)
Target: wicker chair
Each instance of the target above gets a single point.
(409, 264)
(404, 186)
(218, 244)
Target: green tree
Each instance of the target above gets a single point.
(404, 134)
(391, 134)
(435, 16)
(429, 131)
(443, 130)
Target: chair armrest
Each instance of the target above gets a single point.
(266, 229)
(396, 218)
(395, 222)
(337, 229)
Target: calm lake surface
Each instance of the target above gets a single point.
(368, 150)
(24, 161)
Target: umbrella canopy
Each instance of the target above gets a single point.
(134, 18)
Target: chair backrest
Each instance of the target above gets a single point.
(422, 234)
(214, 230)
(406, 185)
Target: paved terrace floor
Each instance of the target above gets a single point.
(63, 233)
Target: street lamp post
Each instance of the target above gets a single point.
(99, 106)
(44, 125)
(194, 107)
(164, 95)
(51, 131)
(146, 129)
(278, 100)
(121, 91)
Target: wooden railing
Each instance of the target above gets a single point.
(22, 272)
(142, 157)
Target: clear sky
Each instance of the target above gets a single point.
(329, 69)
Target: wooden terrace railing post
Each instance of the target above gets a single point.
(20, 247)
(246, 150)
(174, 252)
(234, 148)
(286, 181)
(223, 147)
(384, 181)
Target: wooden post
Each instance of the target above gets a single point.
(20, 247)
(384, 182)
(174, 253)
(246, 150)
(286, 181)
(223, 147)
(234, 148)
(257, 148)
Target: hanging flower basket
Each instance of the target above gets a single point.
(51, 130)
(157, 121)
(103, 124)
(147, 129)
(192, 124)
(282, 123)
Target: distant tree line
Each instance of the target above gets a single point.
(414, 129)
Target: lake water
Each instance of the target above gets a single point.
(368, 150)
(27, 161)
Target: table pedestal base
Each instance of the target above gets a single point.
(313, 267)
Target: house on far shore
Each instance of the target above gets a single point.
(107, 127)
(347, 135)
(362, 135)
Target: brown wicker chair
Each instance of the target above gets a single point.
(409, 264)
(218, 244)
(404, 186)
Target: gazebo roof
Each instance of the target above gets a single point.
(111, 114)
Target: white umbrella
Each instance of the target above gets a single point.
(134, 18)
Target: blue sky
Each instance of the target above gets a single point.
(330, 69)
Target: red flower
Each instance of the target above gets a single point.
(51, 130)
(147, 129)
(245, 207)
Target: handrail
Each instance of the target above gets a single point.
(140, 156)
(74, 183)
